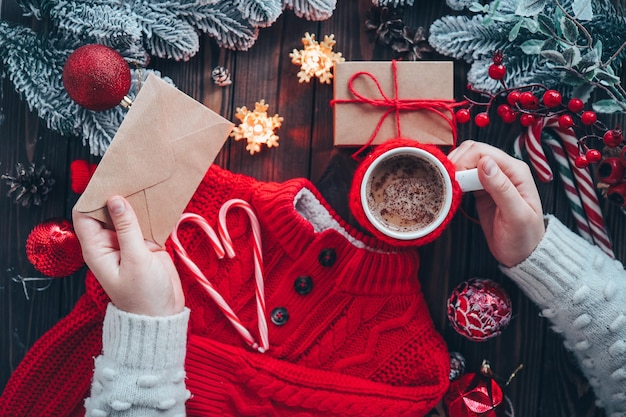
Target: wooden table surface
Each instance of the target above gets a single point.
(550, 384)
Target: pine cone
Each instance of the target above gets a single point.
(408, 44)
(414, 45)
(30, 185)
(387, 24)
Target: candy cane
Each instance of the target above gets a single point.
(578, 183)
(258, 260)
(221, 251)
(571, 191)
(585, 186)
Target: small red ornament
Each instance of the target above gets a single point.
(593, 155)
(53, 248)
(552, 98)
(581, 161)
(479, 309)
(81, 172)
(463, 116)
(96, 77)
(527, 119)
(497, 72)
(588, 117)
(528, 100)
(474, 395)
(610, 170)
(566, 121)
(612, 137)
(513, 97)
(482, 119)
(616, 193)
(575, 105)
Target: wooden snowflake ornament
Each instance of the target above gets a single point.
(257, 127)
(316, 59)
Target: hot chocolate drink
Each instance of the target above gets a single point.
(406, 193)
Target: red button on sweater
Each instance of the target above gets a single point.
(361, 342)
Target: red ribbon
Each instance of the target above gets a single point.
(397, 105)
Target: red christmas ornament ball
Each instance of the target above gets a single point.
(479, 309)
(96, 77)
(474, 395)
(53, 248)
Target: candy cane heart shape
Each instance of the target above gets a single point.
(206, 283)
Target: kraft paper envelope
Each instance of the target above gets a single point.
(157, 158)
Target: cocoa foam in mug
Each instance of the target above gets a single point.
(406, 193)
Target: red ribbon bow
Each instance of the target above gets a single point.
(397, 105)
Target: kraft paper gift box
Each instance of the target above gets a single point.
(425, 93)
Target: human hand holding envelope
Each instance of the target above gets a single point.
(157, 158)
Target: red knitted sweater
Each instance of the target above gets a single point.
(358, 339)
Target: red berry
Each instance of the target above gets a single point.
(497, 72)
(552, 98)
(575, 105)
(612, 138)
(527, 119)
(482, 119)
(581, 161)
(588, 117)
(463, 116)
(96, 77)
(528, 100)
(503, 109)
(593, 155)
(509, 117)
(611, 170)
(566, 121)
(513, 97)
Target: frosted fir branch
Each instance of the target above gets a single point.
(311, 9)
(260, 13)
(34, 66)
(223, 21)
(97, 23)
(467, 38)
(167, 36)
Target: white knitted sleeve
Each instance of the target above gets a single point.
(141, 369)
(582, 291)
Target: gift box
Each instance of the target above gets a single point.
(377, 101)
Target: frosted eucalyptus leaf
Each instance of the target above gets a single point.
(531, 25)
(569, 30)
(554, 56)
(515, 31)
(608, 106)
(532, 46)
(530, 7)
(546, 24)
(589, 59)
(606, 78)
(582, 9)
(572, 56)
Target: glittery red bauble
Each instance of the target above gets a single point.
(479, 309)
(53, 248)
(96, 77)
(474, 395)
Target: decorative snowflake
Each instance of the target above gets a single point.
(256, 127)
(316, 59)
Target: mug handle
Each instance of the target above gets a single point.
(468, 180)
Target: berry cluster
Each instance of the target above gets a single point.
(531, 103)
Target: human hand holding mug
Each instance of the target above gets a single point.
(408, 192)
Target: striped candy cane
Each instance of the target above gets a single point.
(222, 248)
(258, 260)
(579, 185)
